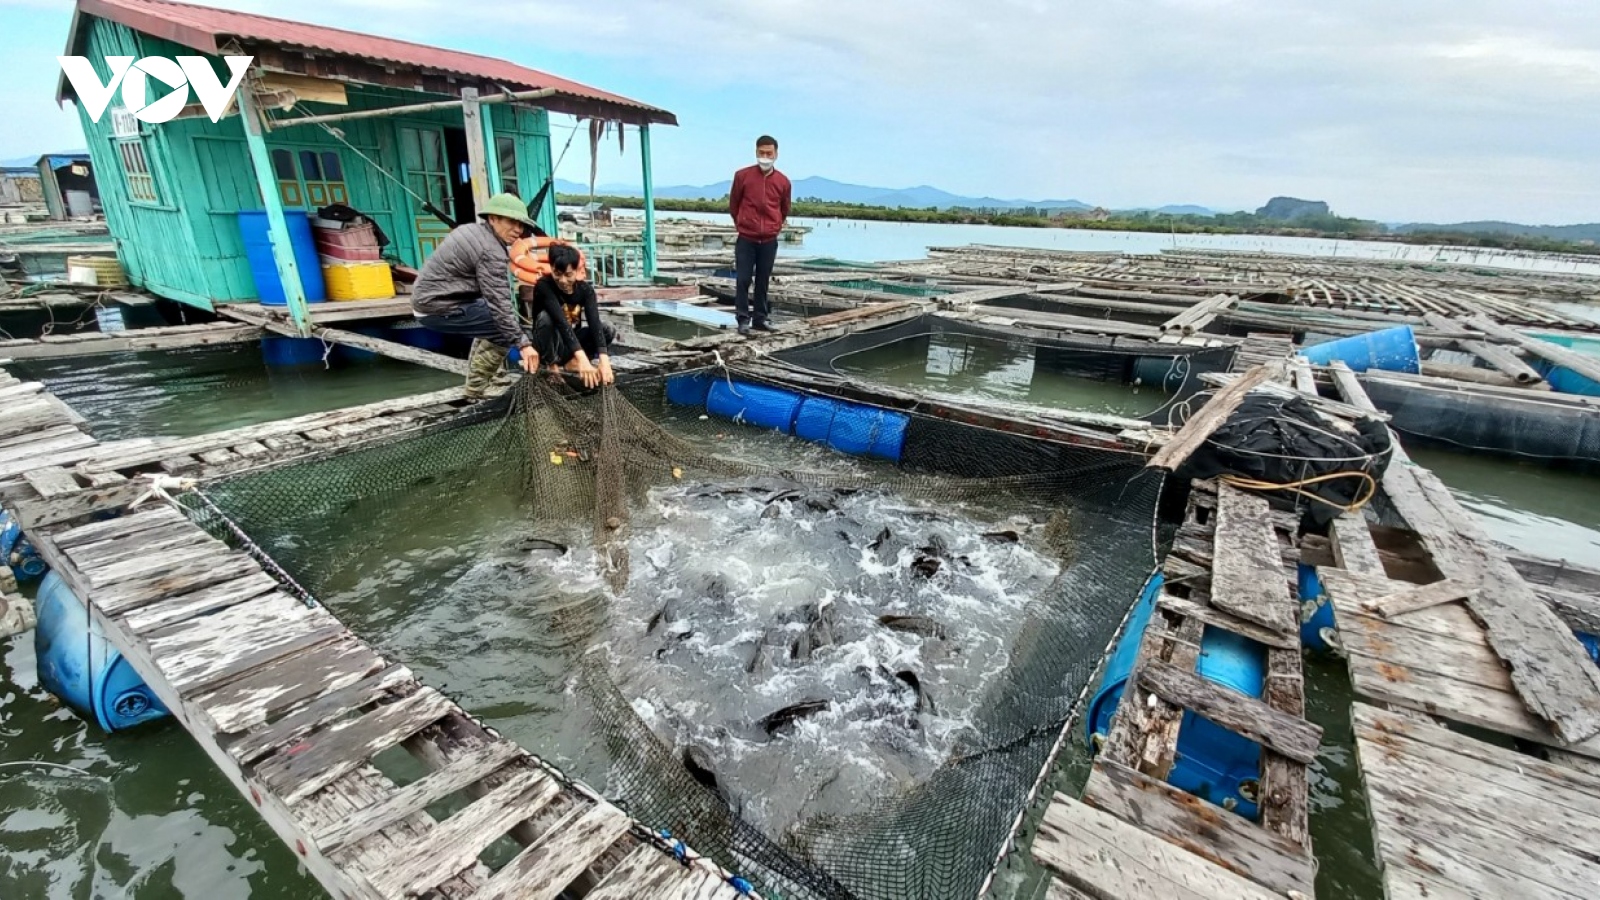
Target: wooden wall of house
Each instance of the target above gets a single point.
(186, 245)
(154, 240)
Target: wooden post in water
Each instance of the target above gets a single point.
(294, 291)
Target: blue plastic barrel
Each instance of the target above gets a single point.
(15, 551)
(1390, 349)
(264, 268)
(753, 404)
(1565, 380)
(356, 354)
(279, 352)
(1118, 667)
(689, 389)
(1591, 644)
(78, 665)
(853, 427)
(1213, 762)
(1162, 372)
(412, 334)
(1316, 613)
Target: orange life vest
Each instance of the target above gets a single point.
(530, 259)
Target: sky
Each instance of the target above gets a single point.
(1400, 110)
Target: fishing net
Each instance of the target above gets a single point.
(552, 457)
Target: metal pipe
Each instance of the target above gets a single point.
(516, 97)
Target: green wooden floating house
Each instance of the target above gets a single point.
(323, 116)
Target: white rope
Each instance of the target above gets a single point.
(158, 487)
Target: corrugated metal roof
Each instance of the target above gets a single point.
(209, 30)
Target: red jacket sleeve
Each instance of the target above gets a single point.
(787, 190)
(735, 194)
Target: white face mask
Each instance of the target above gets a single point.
(765, 162)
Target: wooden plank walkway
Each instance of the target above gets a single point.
(90, 343)
(1135, 836)
(1456, 817)
(293, 709)
(1550, 672)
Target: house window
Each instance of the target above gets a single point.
(505, 151)
(427, 173)
(288, 179)
(309, 178)
(136, 168)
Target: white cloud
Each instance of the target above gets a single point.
(1417, 109)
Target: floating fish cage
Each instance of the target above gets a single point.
(1173, 369)
(697, 587)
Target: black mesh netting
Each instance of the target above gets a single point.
(1172, 368)
(1521, 427)
(562, 463)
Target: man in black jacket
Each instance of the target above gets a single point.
(567, 332)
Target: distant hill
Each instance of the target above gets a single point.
(1586, 232)
(826, 189)
(1287, 209)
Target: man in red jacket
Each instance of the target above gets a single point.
(759, 204)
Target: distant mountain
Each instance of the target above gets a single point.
(1287, 209)
(826, 189)
(1586, 232)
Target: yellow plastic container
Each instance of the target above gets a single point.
(359, 281)
(103, 271)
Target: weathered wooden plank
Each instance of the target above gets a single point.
(239, 624)
(1407, 733)
(284, 684)
(456, 843)
(1291, 736)
(109, 562)
(543, 869)
(417, 796)
(1247, 571)
(1163, 721)
(1228, 622)
(112, 459)
(204, 672)
(1551, 671)
(51, 483)
(394, 350)
(147, 620)
(180, 579)
(1466, 836)
(141, 339)
(1285, 800)
(339, 748)
(646, 872)
(1208, 831)
(1469, 704)
(1104, 857)
(1125, 739)
(54, 432)
(345, 701)
(1199, 427)
(358, 790)
(1418, 597)
(1353, 548)
(60, 452)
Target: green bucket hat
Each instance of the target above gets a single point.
(507, 205)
